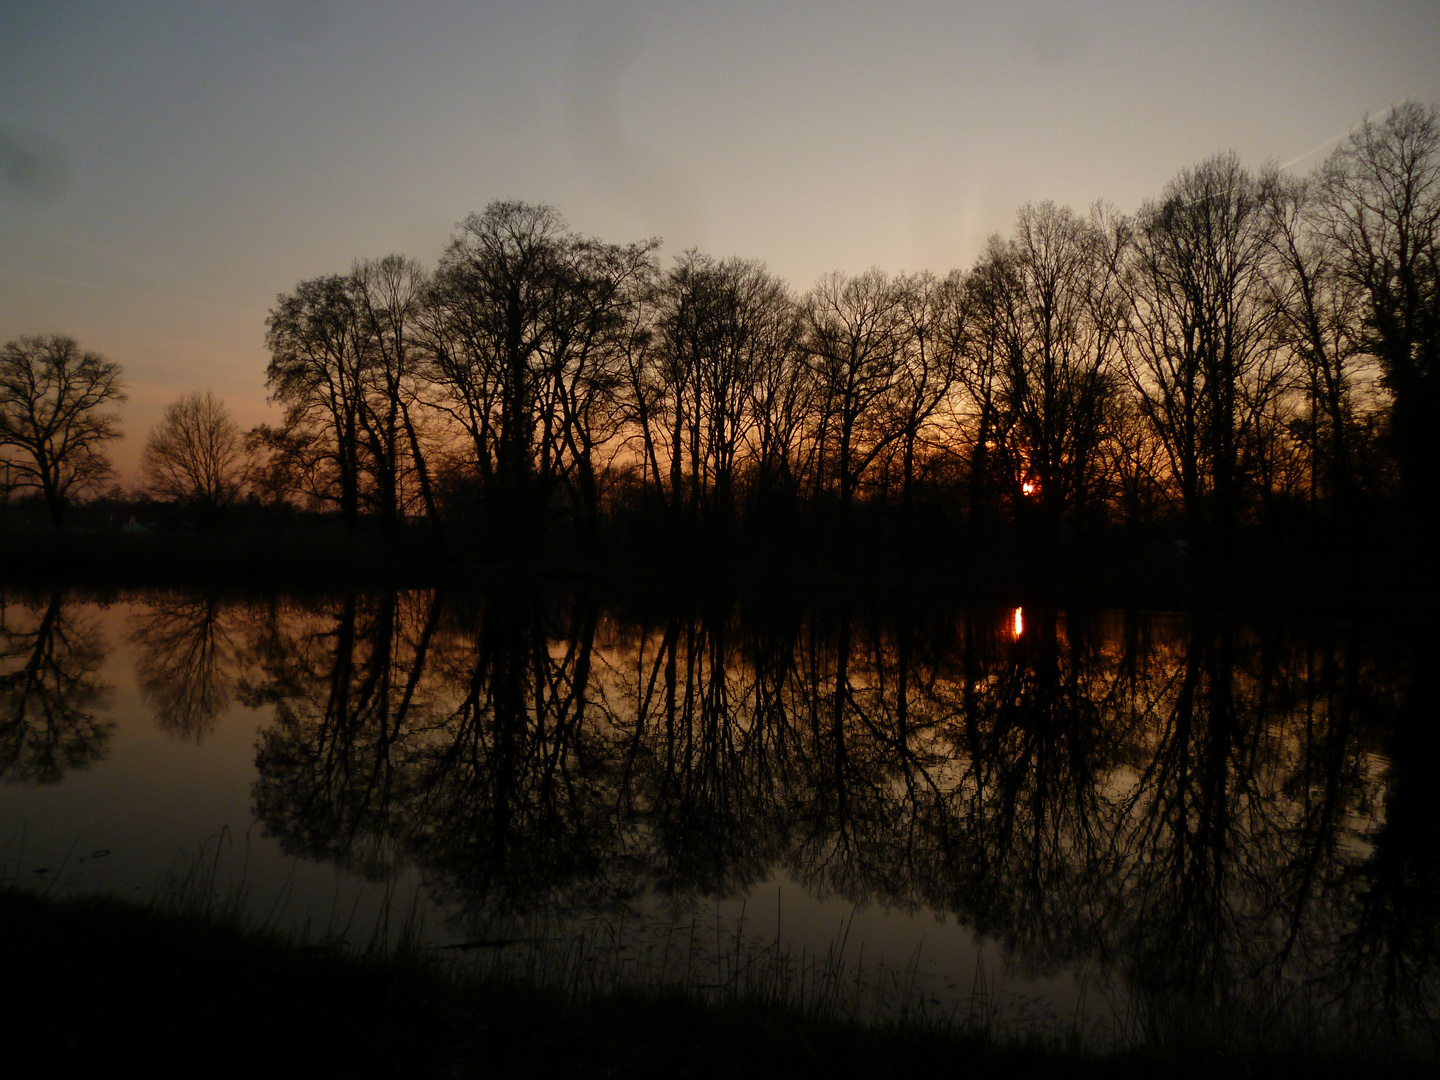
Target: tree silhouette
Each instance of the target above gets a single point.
(195, 455)
(1199, 360)
(53, 429)
(187, 663)
(1378, 208)
(49, 692)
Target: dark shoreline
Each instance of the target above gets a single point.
(324, 559)
(105, 980)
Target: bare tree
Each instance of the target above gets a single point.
(725, 329)
(1048, 304)
(53, 427)
(194, 456)
(315, 372)
(854, 335)
(933, 321)
(488, 323)
(1319, 318)
(1379, 208)
(594, 318)
(387, 298)
(1200, 357)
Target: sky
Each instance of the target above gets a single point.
(167, 169)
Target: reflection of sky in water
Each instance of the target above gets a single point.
(1068, 887)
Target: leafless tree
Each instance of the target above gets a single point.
(1319, 318)
(387, 297)
(195, 455)
(933, 330)
(1378, 206)
(1200, 358)
(488, 321)
(592, 317)
(1049, 308)
(854, 335)
(53, 427)
(725, 332)
(528, 330)
(316, 372)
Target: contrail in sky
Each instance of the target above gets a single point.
(1336, 138)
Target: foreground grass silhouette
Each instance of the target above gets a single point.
(95, 982)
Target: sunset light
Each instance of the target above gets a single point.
(551, 462)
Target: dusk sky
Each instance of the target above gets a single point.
(167, 168)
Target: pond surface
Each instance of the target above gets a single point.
(1113, 823)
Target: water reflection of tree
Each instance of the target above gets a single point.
(1187, 804)
(187, 662)
(1042, 724)
(515, 782)
(1238, 830)
(709, 751)
(344, 680)
(50, 657)
(1386, 967)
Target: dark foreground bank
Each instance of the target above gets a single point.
(96, 983)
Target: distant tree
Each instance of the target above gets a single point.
(529, 332)
(932, 330)
(1319, 318)
(726, 332)
(53, 427)
(386, 298)
(195, 456)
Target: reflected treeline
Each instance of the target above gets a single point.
(187, 663)
(1234, 822)
(50, 656)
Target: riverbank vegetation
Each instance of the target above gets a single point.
(165, 987)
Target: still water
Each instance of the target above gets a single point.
(1115, 824)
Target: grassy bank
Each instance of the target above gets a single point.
(95, 982)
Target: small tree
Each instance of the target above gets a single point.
(53, 429)
(195, 455)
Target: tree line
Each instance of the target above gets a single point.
(1249, 350)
